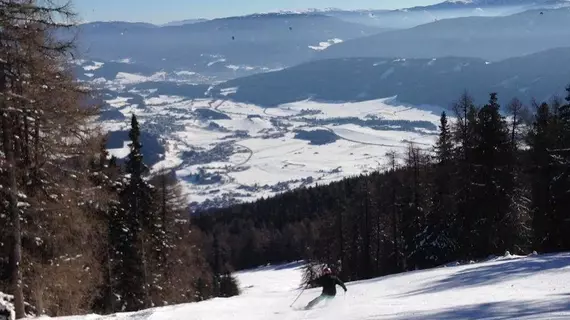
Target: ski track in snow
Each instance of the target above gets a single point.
(504, 288)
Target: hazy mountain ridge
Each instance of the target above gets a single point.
(492, 38)
(414, 16)
(414, 81)
(226, 47)
(454, 4)
(183, 22)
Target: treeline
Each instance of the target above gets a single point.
(80, 232)
(491, 184)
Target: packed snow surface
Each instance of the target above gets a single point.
(510, 287)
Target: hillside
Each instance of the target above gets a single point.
(509, 287)
(490, 38)
(414, 81)
(227, 47)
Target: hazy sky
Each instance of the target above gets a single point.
(160, 11)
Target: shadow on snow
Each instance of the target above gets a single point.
(493, 273)
(504, 310)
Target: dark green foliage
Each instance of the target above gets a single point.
(203, 292)
(492, 183)
(442, 229)
(540, 140)
(149, 259)
(549, 142)
(133, 221)
(227, 285)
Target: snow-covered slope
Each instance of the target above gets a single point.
(524, 288)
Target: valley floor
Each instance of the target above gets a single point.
(226, 152)
(510, 287)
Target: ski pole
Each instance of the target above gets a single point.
(298, 296)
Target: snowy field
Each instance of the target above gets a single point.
(505, 288)
(226, 152)
(247, 152)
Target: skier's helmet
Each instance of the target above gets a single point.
(327, 270)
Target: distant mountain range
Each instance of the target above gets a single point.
(456, 4)
(491, 38)
(414, 81)
(183, 22)
(229, 47)
(413, 16)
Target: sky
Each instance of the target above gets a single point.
(162, 11)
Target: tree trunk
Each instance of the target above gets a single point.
(16, 256)
(366, 245)
(341, 241)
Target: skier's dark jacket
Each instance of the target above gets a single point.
(328, 282)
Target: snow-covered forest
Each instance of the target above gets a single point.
(83, 232)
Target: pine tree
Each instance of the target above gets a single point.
(444, 144)
(443, 228)
(136, 218)
(176, 264)
(495, 224)
(465, 135)
(366, 212)
(520, 202)
(542, 138)
(104, 173)
(413, 214)
(560, 185)
(395, 206)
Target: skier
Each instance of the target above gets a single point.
(328, 281)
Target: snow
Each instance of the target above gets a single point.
(254, 125)
(7, 305)
(96, 65)
(532, 287)
(171, 157)
(265, 158)
(125, 60)
(118, 102)
(236, 67)
(185, 73)
(130, 78)
(216, 61)
(121, 152)
(324, 45)
(162, 100)
(394, 139)
(228, 91)
(363, 109)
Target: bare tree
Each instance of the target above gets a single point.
(45, 134)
